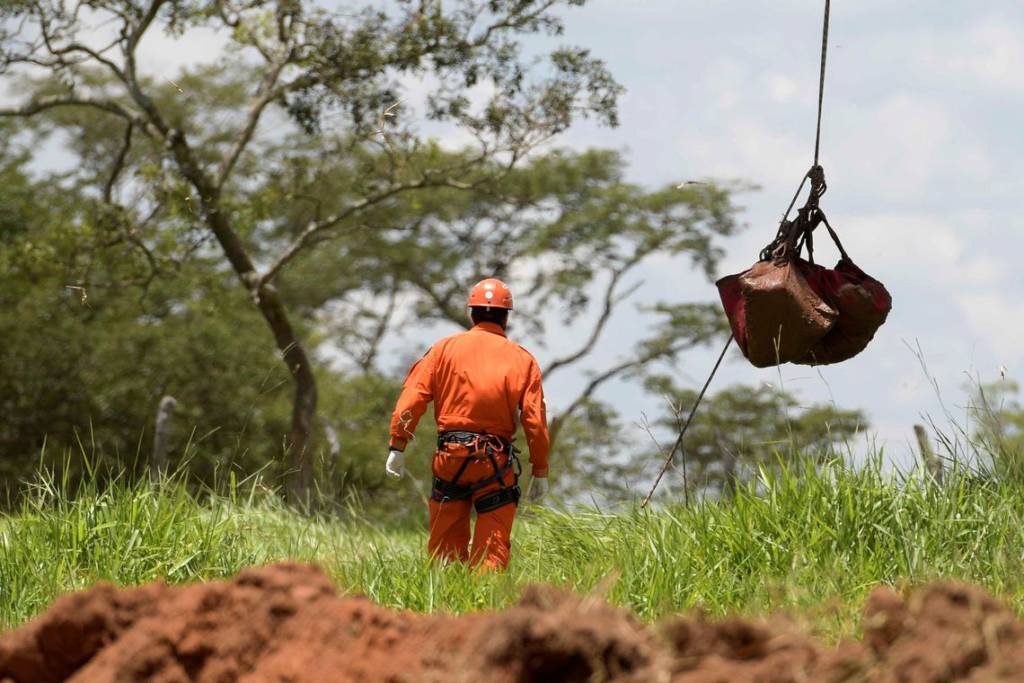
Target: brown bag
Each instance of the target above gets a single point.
(789, 310)
(863, 304)
(785, 318)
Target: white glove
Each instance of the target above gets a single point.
(395, 466)
(538, 489)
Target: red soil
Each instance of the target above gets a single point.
(286, 624)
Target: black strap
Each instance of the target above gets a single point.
(451, 490)
(793, 234)
(473, 439)
(835, 238)
(500, 498)
(444, 490)
(460, 472)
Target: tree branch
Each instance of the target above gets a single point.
(46, 103)
(513, 21)
(97, 55)
(136, 36)
(316, 227)
(131, 80)
(264, 96)
(108, 188)
(373, 344)
(441, 302)
(610, 301)
(611, 373)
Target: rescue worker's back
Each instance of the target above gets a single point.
(478, 381)
(482, 386)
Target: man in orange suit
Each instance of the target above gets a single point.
(480, 383)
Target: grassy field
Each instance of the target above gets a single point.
(811, 542)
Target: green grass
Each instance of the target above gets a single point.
(811, 542)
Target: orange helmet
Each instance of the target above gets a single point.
(491, 293)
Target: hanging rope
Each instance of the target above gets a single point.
(817, 177)
(821, 80)
(686, 425)
(816, 174)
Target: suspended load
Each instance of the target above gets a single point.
(787, 309)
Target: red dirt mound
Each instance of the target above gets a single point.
(285, 623)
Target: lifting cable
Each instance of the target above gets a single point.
(817, 189)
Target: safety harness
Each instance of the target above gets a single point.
(480, 446)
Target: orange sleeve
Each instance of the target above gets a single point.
(535, 421)
(417, 392)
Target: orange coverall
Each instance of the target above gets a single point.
(477, 380)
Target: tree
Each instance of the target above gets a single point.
(312, 64)
(741, 428)
(599, 461)
(97, 331)
(90, 362)
(998, 426)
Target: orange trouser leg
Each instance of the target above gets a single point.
(492, 538)
(449, 520)
(449, 530)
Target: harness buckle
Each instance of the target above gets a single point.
(500, 498)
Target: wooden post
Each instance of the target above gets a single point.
(931, 461)
(161, 433)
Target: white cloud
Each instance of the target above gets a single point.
(990, 53)
(725, 82)
(999, 320)
(921, 248)
(745, 148)
(915, 242)
(893, 148)
(780, 88)
(982, 270)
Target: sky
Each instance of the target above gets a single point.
(921, 143)
(922, 147)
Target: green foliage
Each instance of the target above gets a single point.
(593, 460)
(559, 225)
(813, 538)
(179, 163)
(742, 429)
(94, 337)
(997, 417)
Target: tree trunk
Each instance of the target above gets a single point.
(931, 461)
(158, 460)
(298, 448)
(305, 399)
